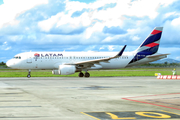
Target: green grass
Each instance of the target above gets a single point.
(100, 73)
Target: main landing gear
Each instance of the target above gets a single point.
(84, 75)
(29, 74)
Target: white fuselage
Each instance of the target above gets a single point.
(52, 60)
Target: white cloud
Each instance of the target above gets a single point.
(135, 38)
(111, 48)
(112, 38)
(100, 3)
(64, 19)
(98, 27)
(13, 8)
(169, 14)
(5, 46)
(148, 8)
(95, 20)
(72, 6)
(176, 22)
(8, 48)
(167, 2)
(46, 25)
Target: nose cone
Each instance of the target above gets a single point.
(10, 63)
(15, 64)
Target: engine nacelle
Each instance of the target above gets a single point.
(65, 70)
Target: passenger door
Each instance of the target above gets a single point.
(29, 58)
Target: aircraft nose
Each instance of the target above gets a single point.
(9, 63)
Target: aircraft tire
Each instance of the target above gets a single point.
(81, 74)
(28, 76)
(87, 74)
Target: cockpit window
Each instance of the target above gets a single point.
(17, 57)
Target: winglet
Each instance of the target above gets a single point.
(120, 52)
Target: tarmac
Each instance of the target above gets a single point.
(94, 98)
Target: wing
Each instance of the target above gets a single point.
(90, 63)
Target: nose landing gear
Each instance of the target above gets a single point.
(29, 74)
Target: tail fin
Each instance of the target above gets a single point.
(151, 44)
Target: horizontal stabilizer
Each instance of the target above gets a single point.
(153, 56)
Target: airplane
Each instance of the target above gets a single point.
(66, 63)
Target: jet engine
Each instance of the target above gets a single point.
(65, 70)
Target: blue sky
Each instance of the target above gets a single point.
(86, 25)
(1, 2)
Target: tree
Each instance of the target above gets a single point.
(2, 63)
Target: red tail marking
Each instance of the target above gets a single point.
(156, 32)
(152, 45)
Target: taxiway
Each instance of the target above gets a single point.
(94, 98)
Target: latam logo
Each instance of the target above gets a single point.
(36, 55)
(47, 55)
